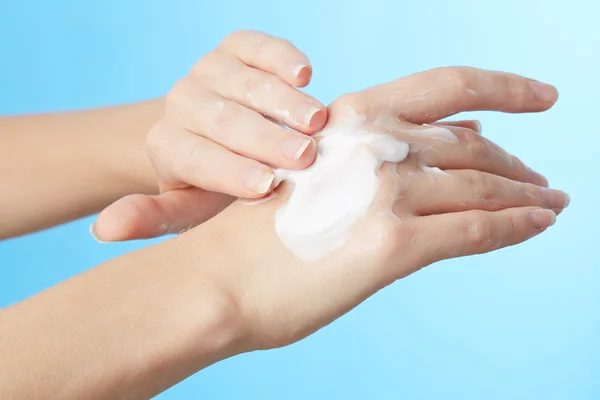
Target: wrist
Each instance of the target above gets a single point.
(219, 326)
(189, 320)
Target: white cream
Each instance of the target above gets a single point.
(333, 193)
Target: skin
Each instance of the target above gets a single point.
(217, 140)
(210, 139)
(60, 167)
(142, 322)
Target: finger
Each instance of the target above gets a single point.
(466, 233)
(200, 162)
(268, 95)
(463, 190)
(439, 93)
(141, 216)
(271, 54)
(470, 150)
(244, 131)
(471, 124)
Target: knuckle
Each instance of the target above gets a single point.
(161, 151)
(270, 82)
(285, 43)
(252, 81)
(179, 89)
(354, 100)
(484, 187)
(207, 64)
(233, 38)
(531, 193)
(505, 82)
(521, 170)
(289, 52)
(190, 161)
(270, 140)
(479, 231)
(470, 177)
(512, 85)
(458, 77)
(260, 140)
(224, 117)
(260, 46)
(478, 146)
(512, 225)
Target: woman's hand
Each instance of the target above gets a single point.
(217, 139)
(138, 324)
(472, 197)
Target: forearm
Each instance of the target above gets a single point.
(129, 328)
(58, 167)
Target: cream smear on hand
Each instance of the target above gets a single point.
(336, 190)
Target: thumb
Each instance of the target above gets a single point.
(140, 216)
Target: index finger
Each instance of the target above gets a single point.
(270, 54)
(429, 96)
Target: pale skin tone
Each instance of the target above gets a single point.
(138, 324)
(217, 140)
(206, 139)
(60, 167)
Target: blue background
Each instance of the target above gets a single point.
(519, 323)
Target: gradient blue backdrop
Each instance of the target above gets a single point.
(519, 323)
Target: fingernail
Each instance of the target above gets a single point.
(544, 92)
(542, 219)
(310, 115)
(300, 70)
(258, 180)
(294, 146)
(479, 127)
(95, 235)
(555, 198)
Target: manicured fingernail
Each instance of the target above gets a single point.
(311, 115)
(555, 198)
(294, 146)
(258, 180)
(542, 219)
(95, 234)
(544, 92)
(300, 71)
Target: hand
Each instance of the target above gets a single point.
(483, 199)
(217, 140)
(155, 316)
